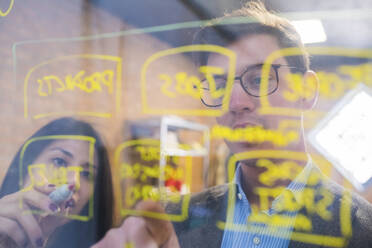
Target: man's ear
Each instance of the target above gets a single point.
(311, 84)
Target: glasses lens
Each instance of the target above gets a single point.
(213, 91)
(252, 79)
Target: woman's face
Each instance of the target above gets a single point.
(67, 161)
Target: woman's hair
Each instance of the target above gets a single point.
(76, 233)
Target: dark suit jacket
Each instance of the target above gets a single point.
(210, 206)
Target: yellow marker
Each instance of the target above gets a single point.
(143, 172)
(138, 191)
(96, 82)
(149, 153)
(331, 85)
(135, 193)
(285, 170)
(184, 83)
(5, 13)
(255, 135)
(267, 109)
(88, 84)
(40, 174)
(321, 207)
(37, 174)
(266, 193)
(129, 245)
(299, 88)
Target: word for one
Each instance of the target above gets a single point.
(255, 134)
(191, 85)
(95, 82)
(42, 174)
(143, 172)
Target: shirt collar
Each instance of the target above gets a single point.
(296, 186)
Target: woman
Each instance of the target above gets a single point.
(63, 143)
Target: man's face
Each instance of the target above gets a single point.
(243, 108)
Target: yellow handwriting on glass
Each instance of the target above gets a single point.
(6, 12)
(307, 90)
(85, 83)
(41, 169)
(191, 85)
(143, 172)
(149, 151)
(41, 174)
(286, 170)
(255, 134)
(315, 200)
(148, 192)
(108, 80)
(331, 85)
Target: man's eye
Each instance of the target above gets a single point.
(220, 83)
(59, 162)
(255, 82)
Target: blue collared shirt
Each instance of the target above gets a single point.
(245, 234)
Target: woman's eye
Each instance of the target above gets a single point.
(59, 162)
(85, 174)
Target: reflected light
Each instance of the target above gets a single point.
(344, 136)
(311, 31)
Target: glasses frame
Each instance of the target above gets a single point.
(276, 68)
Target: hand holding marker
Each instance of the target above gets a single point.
(62, 194)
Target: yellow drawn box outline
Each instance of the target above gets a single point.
(345, 209)
(89, 56)
(3, 14)
(125, 212)
(191, 48)
(91, 141)
(266, 108)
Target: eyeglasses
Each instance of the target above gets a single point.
(250, 80)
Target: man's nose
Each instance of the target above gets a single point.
(240, 100)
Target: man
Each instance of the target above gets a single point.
(259, 207)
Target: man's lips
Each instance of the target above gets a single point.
(245, 124)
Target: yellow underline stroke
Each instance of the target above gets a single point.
(93, 114)
(316, 239)
(11, 4)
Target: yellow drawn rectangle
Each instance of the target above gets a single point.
(118, 193)
(266, 108)
(149, 109)
(118, 71)
(317, 239)
(91, 162)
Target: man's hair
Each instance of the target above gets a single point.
(255, 19)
